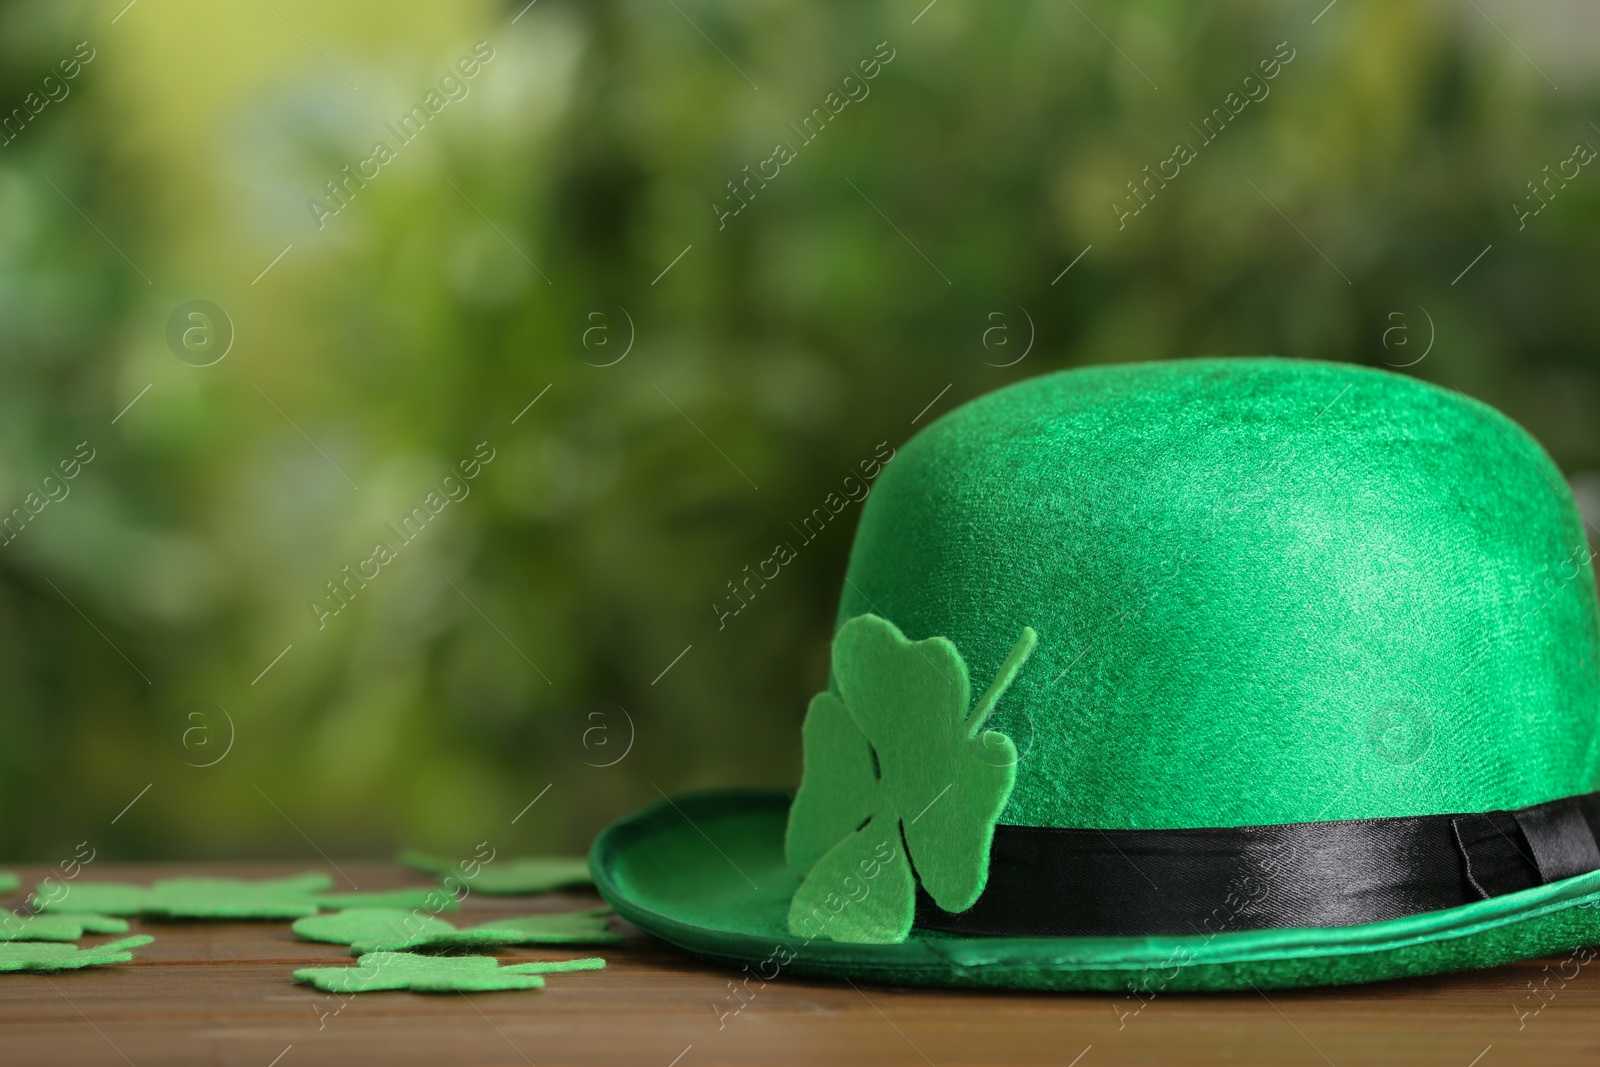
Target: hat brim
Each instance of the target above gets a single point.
(707, 873)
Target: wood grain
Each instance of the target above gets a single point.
(221, 993)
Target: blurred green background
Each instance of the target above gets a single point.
(918, 242)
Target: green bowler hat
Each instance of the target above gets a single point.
(1197, 675)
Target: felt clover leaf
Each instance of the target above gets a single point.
(588, 927)
(530, 874)
(391, 930)
(51, 956)
(378, 971)
(57, 927)
(233, 898)
(431, 899)
(369, 924)
(9, 881)
(895, 758)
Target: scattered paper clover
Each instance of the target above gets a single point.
(57, 926)
(529, 874)
(895, 757)
(53, 956)
(235, 898)
(392, 930)
(377, 971)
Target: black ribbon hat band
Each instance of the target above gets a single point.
(1050, 882)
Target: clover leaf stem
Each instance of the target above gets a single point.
(1008, 670)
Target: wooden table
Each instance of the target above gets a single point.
(221, 993)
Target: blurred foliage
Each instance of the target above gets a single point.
(458, 284)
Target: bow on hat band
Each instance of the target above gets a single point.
(1052, 882)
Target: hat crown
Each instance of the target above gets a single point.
(1266, 591)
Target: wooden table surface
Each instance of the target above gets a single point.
(222, 993)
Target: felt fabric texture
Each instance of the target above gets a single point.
(427, 899)
(378, 971)
(660, 874)
(588, 927)
(58, 927)
(509, 877)
(369, 924)
(235, 898)
(840, 783)
(51, 956)
(933, 781)
(1274, 570)
(387, 929)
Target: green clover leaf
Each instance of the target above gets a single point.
(508, 877)
(896, 759)
(394, 930)
(234, 898)
(370, 924)
(54, 956)
(377, 971)
(64, 926)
